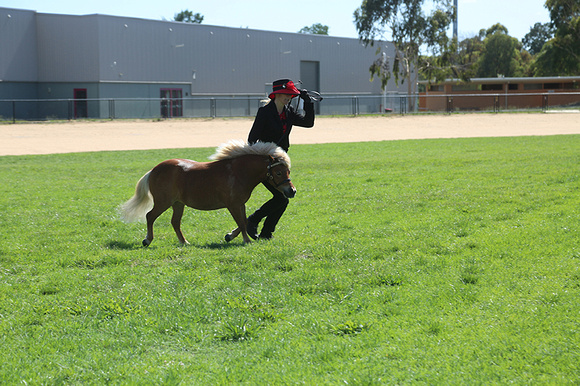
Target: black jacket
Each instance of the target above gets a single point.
(268, 127)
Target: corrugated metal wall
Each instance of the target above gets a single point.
(110, 57)
(18, 58)
(226, 60)
(213, 60)
(68, 48)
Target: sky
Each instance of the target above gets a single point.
(290, 16)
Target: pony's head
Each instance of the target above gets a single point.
(279, 177)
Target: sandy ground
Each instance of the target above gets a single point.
(47, 138)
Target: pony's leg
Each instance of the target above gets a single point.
(233, 234)
(176, 220)
(151, 217)
(239, 215)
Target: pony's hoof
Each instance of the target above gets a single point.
(146, 243)
(228, 237)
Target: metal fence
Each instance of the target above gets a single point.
(242, 106)
(192, 107)
(496, 102)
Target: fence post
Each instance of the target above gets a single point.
(212, 108)
(449, 104)
(111, 109)
(403, 105)
(13, 111)
(545, 102)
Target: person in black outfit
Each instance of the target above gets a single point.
(274, 123)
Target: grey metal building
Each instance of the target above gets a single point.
(96, 62)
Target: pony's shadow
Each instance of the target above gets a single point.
(123, 245)
(131, 246)
(218, 246)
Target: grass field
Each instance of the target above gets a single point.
(429, 261)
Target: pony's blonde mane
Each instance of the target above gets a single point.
(238, 148)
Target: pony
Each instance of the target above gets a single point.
(226, 182)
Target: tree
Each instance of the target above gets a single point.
(413, 32)
(535, 39)
(469, 53)
(460, 64)
(561, 55)
(562, 12)
(188, 16)
(315, 29)
(501, 56)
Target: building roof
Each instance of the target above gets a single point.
(504, 80)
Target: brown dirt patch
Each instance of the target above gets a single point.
(82, 136)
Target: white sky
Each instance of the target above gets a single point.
(290, 16)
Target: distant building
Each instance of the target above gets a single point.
(500, 93)
(92, 58)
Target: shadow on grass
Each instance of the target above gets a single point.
(130, 246)
(123, 245)
(221, 245)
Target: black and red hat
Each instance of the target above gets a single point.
(283, 86)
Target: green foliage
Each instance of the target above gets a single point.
(562, 12)
(501, 54)
(490, 53)
(538, 36)
(446, 261)
(560, 56)
(553, 49)
(469, 52)
(315, 29)
(188, 16)
(411, 30)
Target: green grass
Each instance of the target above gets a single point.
(435, 261)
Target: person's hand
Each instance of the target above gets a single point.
(304, 95)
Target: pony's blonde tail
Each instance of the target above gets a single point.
(137, 207)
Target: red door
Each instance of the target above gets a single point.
(171, 102)
(81, 105)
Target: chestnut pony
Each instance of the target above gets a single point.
(226, 182)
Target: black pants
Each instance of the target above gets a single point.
(272, 210)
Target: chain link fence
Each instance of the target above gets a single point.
(246, 106)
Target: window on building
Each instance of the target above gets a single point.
(437, 87)
(465, 87)
(492, 87)
(568, 86)
(552, 86)
(533, 86)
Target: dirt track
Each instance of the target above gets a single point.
(47, 138)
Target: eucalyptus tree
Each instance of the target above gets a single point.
(539, 34)
(561, 54)
(419, 31)
(502, 54)
(315, 29)
(188, 16)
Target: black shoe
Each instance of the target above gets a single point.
(265, 236)
(252, 229)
